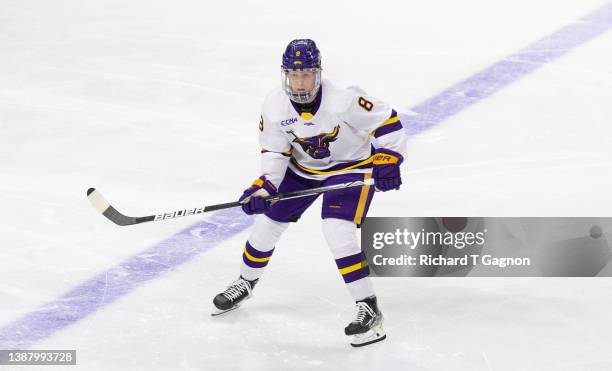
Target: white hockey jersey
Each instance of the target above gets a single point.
(334, 137)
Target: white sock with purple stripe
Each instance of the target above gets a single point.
(260, 245)
(341, 236)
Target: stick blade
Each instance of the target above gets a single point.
(99, 203)
(97, 200)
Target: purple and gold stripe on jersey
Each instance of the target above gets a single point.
(350, 165)
(255, 258)
(353, 267)
(286, 153)
(390, 125)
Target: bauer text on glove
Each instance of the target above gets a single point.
(386, 171)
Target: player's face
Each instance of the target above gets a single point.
(301, 81)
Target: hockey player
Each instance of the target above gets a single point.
(313, 134)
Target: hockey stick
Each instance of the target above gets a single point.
(99, 203)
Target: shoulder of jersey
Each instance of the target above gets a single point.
(275, 99)
(339, 98)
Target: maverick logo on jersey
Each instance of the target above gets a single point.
(318, 146)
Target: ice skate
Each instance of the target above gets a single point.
(366, 328)
(233, 296)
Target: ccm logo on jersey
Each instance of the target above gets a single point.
(290, 121)
(174, 214)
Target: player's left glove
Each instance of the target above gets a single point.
(253, 199)
(386, 172)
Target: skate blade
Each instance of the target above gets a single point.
(219, 312)
(374, 335)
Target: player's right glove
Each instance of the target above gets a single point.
(252, 199)
(386, 171)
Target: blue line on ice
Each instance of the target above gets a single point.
(501, 74)
(112, 284)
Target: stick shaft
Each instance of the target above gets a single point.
(98, 201)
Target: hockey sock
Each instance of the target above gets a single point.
(260, 246)
(341, 237)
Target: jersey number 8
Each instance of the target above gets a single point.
(365, 104)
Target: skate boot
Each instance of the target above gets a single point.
(233, 296)
(366, 328)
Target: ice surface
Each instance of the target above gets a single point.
(156, 103)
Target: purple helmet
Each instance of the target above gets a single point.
(301, 55)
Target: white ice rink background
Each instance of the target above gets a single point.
(156, 103)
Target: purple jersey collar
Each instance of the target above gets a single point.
(315, 106)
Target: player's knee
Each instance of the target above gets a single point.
(341, 236)
(266, 232)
